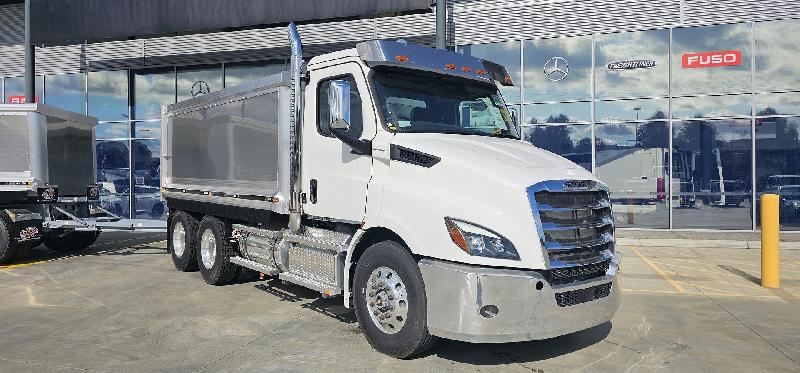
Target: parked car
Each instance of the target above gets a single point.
(684, 194)
(147, 203)
(727, 193)
(788, 205)
(781, 180)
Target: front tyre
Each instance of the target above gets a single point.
(214, 252)
(390, 303)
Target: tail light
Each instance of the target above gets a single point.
(47, 194)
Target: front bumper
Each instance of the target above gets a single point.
(523, 313)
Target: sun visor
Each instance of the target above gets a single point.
(393, 53)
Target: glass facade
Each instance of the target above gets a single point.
(687, 126)
(128, 106)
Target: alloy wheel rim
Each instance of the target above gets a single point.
(208, 248)
(387, 300)
(178, 240)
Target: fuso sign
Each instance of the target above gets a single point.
(711, 59)
(20, 99)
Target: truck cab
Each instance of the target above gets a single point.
(411, 195)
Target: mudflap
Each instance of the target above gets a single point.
(26, 225)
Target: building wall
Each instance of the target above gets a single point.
(621, 125)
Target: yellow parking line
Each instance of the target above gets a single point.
(78, 254)
(658, 270)
(26, 264)
(669, 292)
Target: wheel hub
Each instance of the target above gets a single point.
(178, 237)
(208, 248)
(387, 300)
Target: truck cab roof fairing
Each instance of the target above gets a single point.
(392, 53)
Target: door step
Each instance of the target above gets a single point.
(256, 266)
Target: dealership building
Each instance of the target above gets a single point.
(688, 109)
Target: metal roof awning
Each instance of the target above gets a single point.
(70, 21)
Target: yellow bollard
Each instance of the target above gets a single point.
(770, 255)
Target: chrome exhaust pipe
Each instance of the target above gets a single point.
(295, 122)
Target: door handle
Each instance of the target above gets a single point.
(312, 191)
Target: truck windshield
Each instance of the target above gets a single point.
(435, 103)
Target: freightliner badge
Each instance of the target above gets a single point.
(631, 65)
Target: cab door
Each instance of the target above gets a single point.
(335, 180)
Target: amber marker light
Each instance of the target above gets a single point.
(401, 58)
(481, 72)
(466, 69)
(450, 66)
(456, 236)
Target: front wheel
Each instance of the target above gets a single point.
(390, 303)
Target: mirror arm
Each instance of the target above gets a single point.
(362, 147)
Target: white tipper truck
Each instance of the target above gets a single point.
(392, 176)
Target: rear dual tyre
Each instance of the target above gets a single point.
(8, 248)
(214, 252)
(182, 242)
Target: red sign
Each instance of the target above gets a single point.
(20, 99)
(711, 59)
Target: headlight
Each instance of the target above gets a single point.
(479, 241)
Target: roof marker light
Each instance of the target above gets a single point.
(450, 66)
(466, 69)
(401, 58)
(481, 72)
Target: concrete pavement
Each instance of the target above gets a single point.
(122, 307)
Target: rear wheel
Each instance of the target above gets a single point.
(8, 248)
(69, 242)
(214, 252)
(390, 303)
(182, 243)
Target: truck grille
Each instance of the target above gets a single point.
(573, 297)
(567, 275)
(575, 223)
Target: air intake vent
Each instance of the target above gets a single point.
(573, 297)
(403, 154)
(568, 275)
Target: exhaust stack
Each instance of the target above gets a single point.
(296, 70)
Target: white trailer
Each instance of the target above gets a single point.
(392, 176)
(47, 180)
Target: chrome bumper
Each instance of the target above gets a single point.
(523, 313)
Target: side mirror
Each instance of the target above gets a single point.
(339, 104)
(339, 124)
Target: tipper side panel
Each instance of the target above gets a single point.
(227, 144)
(15, 156)
(70, 151)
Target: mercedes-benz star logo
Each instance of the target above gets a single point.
(200, 88)
(556, 69)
